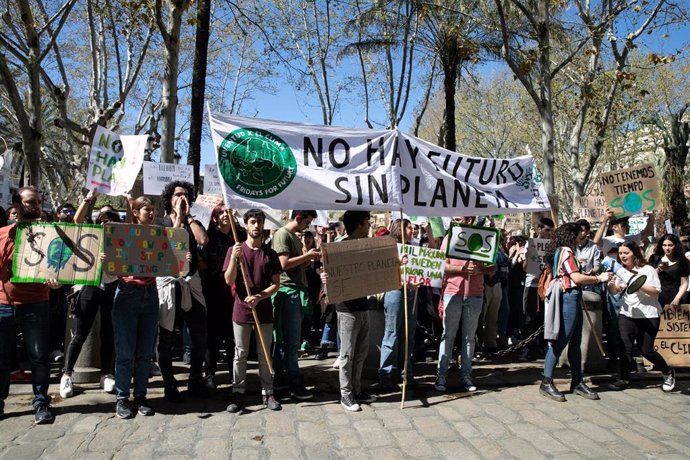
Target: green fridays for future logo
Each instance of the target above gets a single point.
(255, 163)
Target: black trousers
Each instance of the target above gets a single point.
(219, 303)
(642, 330)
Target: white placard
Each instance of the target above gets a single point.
(468, 242)
(114, 161)
(211, 180)
(158, 175)
(424, 265)
(536, 250)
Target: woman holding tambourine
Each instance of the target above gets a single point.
(639, 317)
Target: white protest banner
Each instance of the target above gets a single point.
(468, 242)
(114, 161)
(631, 190)
(283, 165)
(211, 180)
(202, 208)
(158, 175)
(274, 218)
(424, 265)
(64, 252)
(536, 249)
(592, 208)
(360, 267)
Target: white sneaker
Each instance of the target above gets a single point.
(108, 383)
(336, 364)
(669, 381)
(66, 389)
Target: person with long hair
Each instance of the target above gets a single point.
(673, 269)
(393, 343)
(561, 253)
(639, 318)
(218, 295)
(135, 321)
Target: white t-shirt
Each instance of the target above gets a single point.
(639, 304)
(610, 242)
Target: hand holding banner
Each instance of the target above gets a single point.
(468, 242)
(631, 190)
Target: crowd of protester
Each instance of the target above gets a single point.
(272, 283)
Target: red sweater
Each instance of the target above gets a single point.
(19, 293)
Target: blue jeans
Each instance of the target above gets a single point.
(33, 321)
(393, 344)
(570, 334)
(285, 354)
(613, 335)
(135, 323)
(459, 310)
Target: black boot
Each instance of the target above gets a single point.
(583, 390)
(548, 389)
(237, 403)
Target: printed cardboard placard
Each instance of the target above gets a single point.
(158, 175)
(360, 267)
(631, 190)
(468, 242)
(114, 161)
(673, 339)
(145, 250)
(202, 208)
(536, 250)
(592, 208)
(424, 265)
(68, 253)
(212, 180)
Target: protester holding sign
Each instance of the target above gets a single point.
(89, 300)
(218, 295)
(191, 305)
(673, 269)
(639, 318)
(563, 326)
(135, 320)
(263, 269)
(462, 296)
(24, 307)
(393, 344)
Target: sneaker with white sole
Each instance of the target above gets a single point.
(108, 383)
(440, 384)
(669, 381)
(469, 385)
(336, 363)
(66, 387)
(349, 403)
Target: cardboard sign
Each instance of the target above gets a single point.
(158, 175)
(114, 161)
(468, 242)
(360, 267)
(512, 222)
(202, 208)
(424, 264)
(631, 190)
(673, 339)
(592, 208)
(145, 250)
(212, 180)
(536, 250)
(68, 253)
(552, 214)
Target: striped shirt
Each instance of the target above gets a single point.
(568, 265)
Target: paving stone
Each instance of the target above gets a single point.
(210, 448)
(387, 453)
(593, 432)
(25, 451)
(434, 428)
(489, 427)
(339, 419)
(520, 448)
(278, 424)
(86, 424)
(346, 439)
(575, 441)
(394, 419)
(109, 437)
(657, 424)
(414, 444)
(539, 438)
(311, 433)
(540, 419)
(65, 447)
(136, 451)
(246, 453)
(466, 429)
(455, 450)
(501, 413)
(489, 448)
(319, 452)
(640, 442)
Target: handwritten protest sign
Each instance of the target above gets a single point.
(631, 190)
(424, 265)
(114, 161)
(673, 339)
(145, 250)
(468, 242)
(203, 208)
(511, 222)
(68, 253)
(212, 180)
(158, 175)
(536, 250)
(592, 208)
(360, 267)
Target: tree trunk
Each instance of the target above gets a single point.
(546, 108)
(673, 177)
(169, 91)
(450, 79)
(199, 87)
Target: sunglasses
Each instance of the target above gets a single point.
(68, 211)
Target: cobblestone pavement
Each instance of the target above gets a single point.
(506, 418)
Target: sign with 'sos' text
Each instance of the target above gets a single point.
(158, 175)
(631, 191)
(468, 242)
(673, 339)
(68, 253)
(360, 267)
(424, 265)
(145, 250)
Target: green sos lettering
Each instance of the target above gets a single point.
(633, 203)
